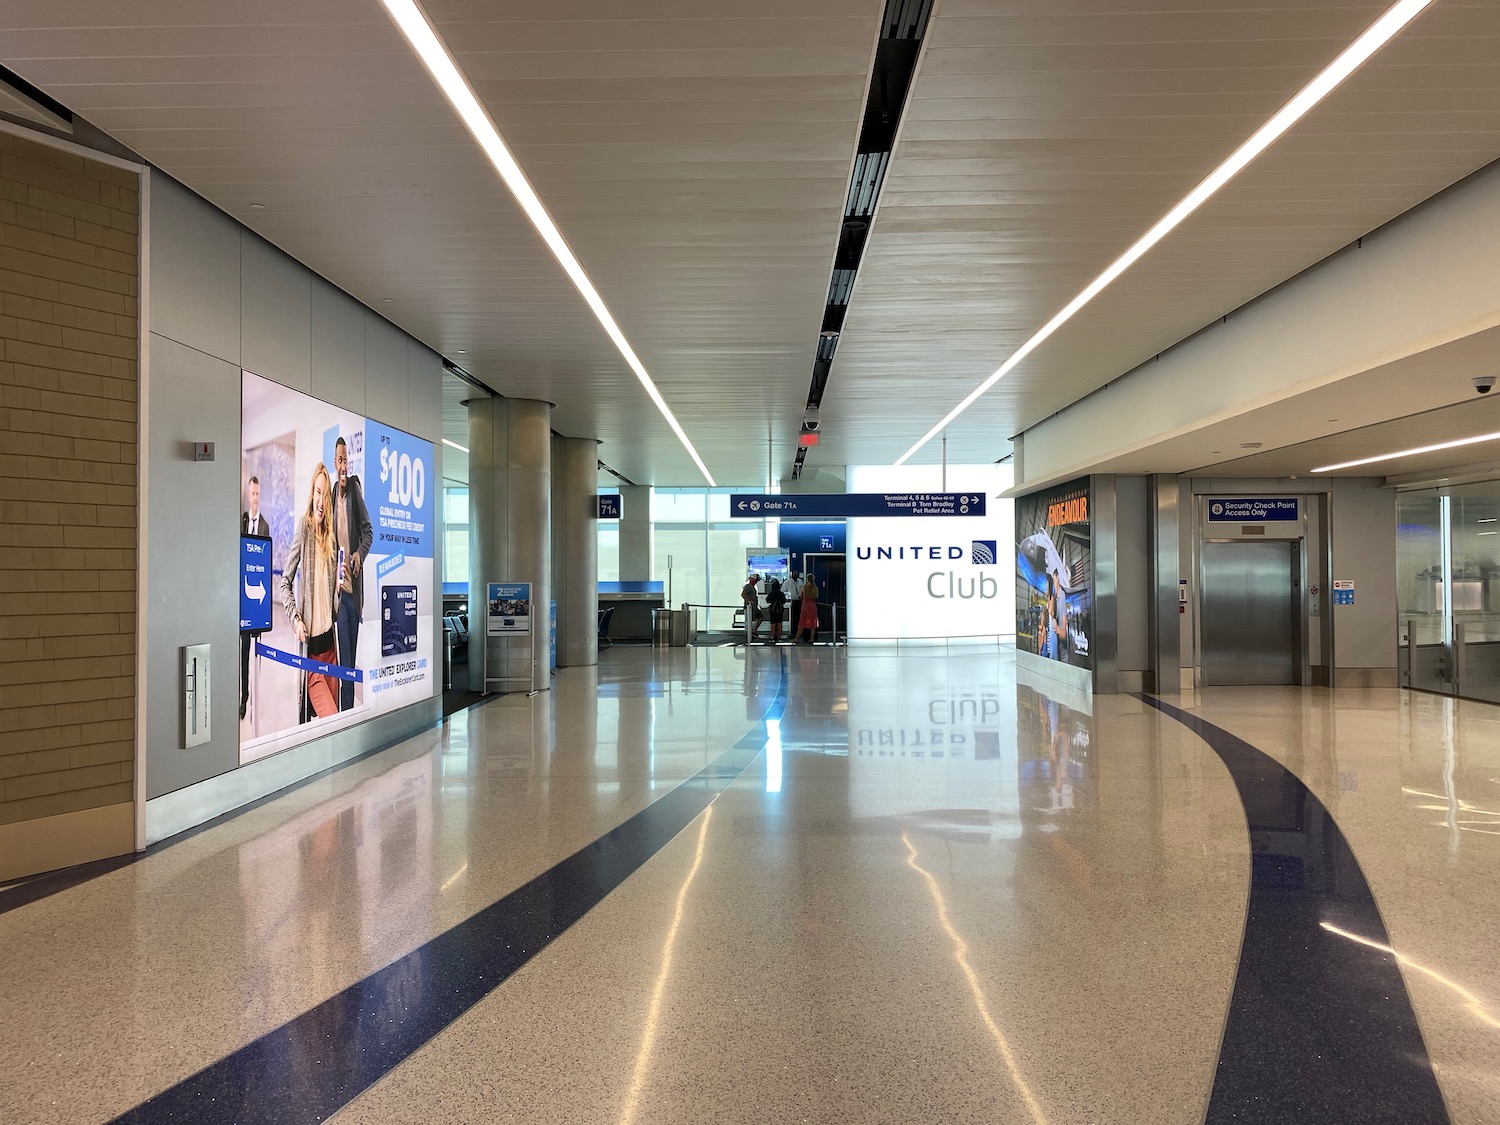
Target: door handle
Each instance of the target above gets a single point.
(1459, 646)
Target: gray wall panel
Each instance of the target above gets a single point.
(192, 527)
(195, 271)
(276, 314)
(425, 392)
(338, 347)
(387, 378)
(1364, 551)
(1132, 574)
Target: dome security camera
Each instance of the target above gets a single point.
(812, 419)
(1484, 384)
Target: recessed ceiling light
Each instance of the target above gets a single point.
(461, 352)
(455, 445)
(424, 40)
(257, 206)
(1249, 445)
(1349, 60)
(1410, 452)
(385, 300)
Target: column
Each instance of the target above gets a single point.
(1165, 620)
(635, 533)
(510, 539)
(575, 549)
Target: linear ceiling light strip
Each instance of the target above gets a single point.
(414, 25)
(1376, 36)
(1439, 447)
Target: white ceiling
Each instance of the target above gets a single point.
(697, 155)
(1044, 137)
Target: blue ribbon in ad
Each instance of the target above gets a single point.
(317, 667)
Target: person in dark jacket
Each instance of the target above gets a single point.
(776, 607)
(251, 523)
(352, 535)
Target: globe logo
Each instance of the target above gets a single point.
(984, 552)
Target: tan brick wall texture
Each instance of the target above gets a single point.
(69, 297)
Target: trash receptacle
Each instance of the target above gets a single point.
(681, 627)
(661, 628)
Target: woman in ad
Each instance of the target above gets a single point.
(312, 566)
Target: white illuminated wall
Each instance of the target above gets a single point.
(920, 597)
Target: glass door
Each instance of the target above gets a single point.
(1474, 568)
(1421, 547)
(1448, 590)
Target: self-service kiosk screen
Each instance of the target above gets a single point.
(770, 562)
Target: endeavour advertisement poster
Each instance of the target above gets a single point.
(1055, 574)
(347, 505)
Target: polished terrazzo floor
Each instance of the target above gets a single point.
(778, 885)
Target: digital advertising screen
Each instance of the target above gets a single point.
(342, 614)
(1055, 574)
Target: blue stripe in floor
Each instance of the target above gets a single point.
(308, 1069)
(1320, 1027)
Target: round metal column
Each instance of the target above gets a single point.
(575, 549)
(510, 533)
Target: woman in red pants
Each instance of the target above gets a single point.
(808, 619)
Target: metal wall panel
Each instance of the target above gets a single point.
(1250, 601)
(1104, 527)
(276, 314)
(195, 271)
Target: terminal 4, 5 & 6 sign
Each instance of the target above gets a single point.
(757, 505)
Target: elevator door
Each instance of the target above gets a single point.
(1251, 594)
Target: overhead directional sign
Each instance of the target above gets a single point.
(757, 505)
(255, 583)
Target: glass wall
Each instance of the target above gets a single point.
(456, 533)
(699, 552)
(1448, 589)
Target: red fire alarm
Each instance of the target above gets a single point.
(808, 439)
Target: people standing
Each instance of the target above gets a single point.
(751, 598)
(353, 534)
(309, 590)
(807, 618)
(776, 607)
(251, 523)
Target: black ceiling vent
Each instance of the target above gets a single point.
(902, 28)
(864, 185)
(905, 19)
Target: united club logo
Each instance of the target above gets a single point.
(984, 552)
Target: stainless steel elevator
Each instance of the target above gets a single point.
(1251, 609)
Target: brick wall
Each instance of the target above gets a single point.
(69, 270)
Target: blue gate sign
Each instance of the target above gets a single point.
(757, 505)
(255, 583)
(1248, 509)
(609, 507)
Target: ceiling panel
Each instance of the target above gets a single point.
(1042, 139)
(695, 155)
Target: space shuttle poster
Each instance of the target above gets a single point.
(1055, 574)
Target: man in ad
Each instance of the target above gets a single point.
(251, 523)
(353, 533)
